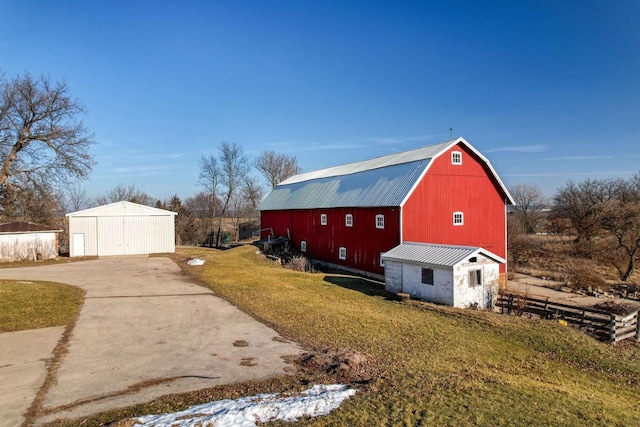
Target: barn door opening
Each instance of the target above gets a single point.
(78, 244)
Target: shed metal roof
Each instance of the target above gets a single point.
(383, 181)
(26, 227)
(432, 254)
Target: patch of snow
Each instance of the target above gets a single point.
(196, 261)
(246, 411)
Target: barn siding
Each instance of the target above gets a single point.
(427, 215)
(363, 241)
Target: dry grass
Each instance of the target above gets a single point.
(429, 365)
(30, 305)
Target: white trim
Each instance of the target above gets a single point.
(323, 219)
(380, 216)
(458, 161)
(342, 253)
(461, 214)
(348, 220)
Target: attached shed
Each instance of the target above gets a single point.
(121, 228)
(459, 276)
(20, 241)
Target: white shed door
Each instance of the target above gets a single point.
(78, 244)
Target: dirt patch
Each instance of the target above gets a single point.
(248, 361)
(345, 365)
(280, 339)
(615, 307)
(240, 343)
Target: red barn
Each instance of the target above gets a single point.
(350, 215)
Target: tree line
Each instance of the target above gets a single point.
(45, 154)
(602, 214)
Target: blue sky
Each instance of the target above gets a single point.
(549, 91)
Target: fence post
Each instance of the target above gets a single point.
(510, 304)
(638, 325)
(612, 329)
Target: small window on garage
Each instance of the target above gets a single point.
(348, 220)
(323, 219)
(458, 218)
(427, 276)
(303, 246)
(379, 221)
(381, 260)
(475, 278)
(342, 253)
(456, 158)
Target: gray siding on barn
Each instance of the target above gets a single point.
(122, 228)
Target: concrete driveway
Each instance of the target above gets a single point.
(145, 330)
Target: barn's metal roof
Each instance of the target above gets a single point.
(432, 254)
(386, 186)
(380, 182)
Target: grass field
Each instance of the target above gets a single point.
(30, 305)
(429, 365)
(435, 365)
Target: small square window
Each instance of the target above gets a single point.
(427, 276)
(456, 158)
(303, 246)
(475, 278)
(323, 219)
(381, 260)
(342, 254)
(379, 221)
(348, 220)
(458, 218)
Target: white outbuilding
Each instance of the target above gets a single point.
(459, 276)
(21, 241)
(121, 228)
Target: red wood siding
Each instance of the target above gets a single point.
(363, 241)
(446, 188)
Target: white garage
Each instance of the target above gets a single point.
(121, 228)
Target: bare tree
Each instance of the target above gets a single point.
(582, 203)
(21, 202)
(128, 193)
(41, 139)
(210, 179)
(528, 209)
(245, 203)
(276, 167)
(622, 222)
(75, 199)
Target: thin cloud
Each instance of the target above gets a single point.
(569, 174)
(537, 148)
(129, 169)
(579, 158)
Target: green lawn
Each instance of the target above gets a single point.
(432, 365)
(31, 305)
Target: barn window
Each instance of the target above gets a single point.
(342, 253)
(427, 276)
(303, 246)
(323, 219)
(348, 220)
(458, 218)
(456, 158)
(475, 278)
(379, 221)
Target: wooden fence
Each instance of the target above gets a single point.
(602, 325)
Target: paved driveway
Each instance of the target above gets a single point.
(145, 330)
